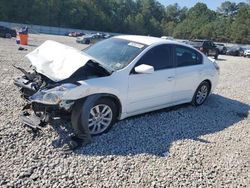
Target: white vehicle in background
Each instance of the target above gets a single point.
(167, 37)
(247, 52)
(114, 79)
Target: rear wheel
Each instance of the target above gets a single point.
(201, 94)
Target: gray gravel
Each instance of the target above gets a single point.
(208, 146)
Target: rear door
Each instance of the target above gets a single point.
(189, 69)
(147, 91)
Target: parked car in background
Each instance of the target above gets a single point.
(222, 48)
(205, 46)
(185, 41)
(101, 35)
(115, 79)
(247, 52)
(86, 39)
(106, 36)
(7, 32)
(235, 51)
(93, 37)
(167, 37)
(75, 34)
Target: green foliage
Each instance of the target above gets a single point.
(146, 17)
(241, 26)
(228, 9)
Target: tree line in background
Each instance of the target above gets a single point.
(230, 23)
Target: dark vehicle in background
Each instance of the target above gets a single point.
(7, 32)
(222, 48)
(235, 51)
(93, 37)
(101, 35)
(86, 39)
(205, 46)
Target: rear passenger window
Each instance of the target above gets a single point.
(185, 56)
(159, 57)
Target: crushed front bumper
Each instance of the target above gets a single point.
(27, 88)
(36, 115)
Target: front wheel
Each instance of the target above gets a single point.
(8, 35)
(101, 117)
(201, 94)
(94, 116)
(216, 55)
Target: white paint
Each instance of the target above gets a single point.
(144, 69)
(137, 93)
(57, 61)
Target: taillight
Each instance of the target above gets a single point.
(201, 49)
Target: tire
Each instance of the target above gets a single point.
(216, 55)
(8, 35)
(86, 120)
(201, 94)
(87, 41)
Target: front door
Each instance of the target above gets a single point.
(147, 91)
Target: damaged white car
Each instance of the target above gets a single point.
(113, 79)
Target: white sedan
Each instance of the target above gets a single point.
(114, 79)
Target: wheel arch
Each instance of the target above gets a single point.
(210, 84)
(112, 97)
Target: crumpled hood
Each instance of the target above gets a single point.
(57, 61)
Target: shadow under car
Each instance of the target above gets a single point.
(153, 133)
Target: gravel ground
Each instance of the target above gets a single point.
(184, 146)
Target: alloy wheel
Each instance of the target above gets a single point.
(100, 118)
(202, 94)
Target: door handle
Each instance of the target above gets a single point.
(170, 78)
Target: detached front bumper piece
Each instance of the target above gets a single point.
(36, 115)
(32, 121)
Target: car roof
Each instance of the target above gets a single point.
(145, 39)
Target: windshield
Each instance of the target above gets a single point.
(115, 53)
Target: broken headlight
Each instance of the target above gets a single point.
(51, 96)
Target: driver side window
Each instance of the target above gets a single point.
(159, 57)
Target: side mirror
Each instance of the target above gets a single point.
(144, 69)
